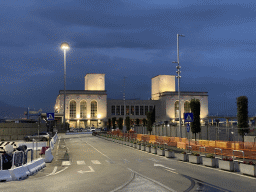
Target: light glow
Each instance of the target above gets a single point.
(64, 46)
(99, 116)
(88, 116)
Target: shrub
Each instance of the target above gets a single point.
(210, 155)
(195, 154)
(183, 152)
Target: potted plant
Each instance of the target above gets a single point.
(131, 143)
(209, 160)
(160, 151)
(226, 164)
(194, 158)
(139, 145)
(154, 149)
(148, 148)
(134, 144)
(183, 156)
(248, 168)
(143, 147)
(169, 153)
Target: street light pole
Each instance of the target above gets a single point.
(64, 47)
(124, 102)
(178, 77)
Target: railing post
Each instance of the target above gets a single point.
(220, 150)
(200, 150)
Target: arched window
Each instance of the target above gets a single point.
(93, 109)
(187, 107)
(72, 109)
(83, 109)
(176, 109)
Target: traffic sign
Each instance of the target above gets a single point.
(188, 128)
(50, 116)
(188, 117)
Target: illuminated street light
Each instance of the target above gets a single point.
(64, 47)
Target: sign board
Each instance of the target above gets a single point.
(188, 117)
(50, 116)
(188, 128)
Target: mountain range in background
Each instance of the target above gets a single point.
(11, 112)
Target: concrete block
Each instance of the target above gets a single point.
(5, 175)
(48, 155)
(18, 173)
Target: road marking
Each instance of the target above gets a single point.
(95, 162)
(171, 171)
(65, 163)
(152, 159)
(80, 163)
(91, 170)
(98, 151)
(110, 161)
(126, 161)
(61, 170)
(53, 172)
(159, 165)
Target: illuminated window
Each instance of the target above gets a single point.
(83, 109)
(187, 107)
(176, 109)
(127, 109)
(93, 109)
(72, 109)
(141, 110)
(113, 110)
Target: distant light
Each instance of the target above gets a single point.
(88, 116)
(99, 116)
(64, 46)
(77, 116)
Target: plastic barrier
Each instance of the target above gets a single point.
(20, 172)
(48, 156)
(4, 174)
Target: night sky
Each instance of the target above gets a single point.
(132, 38)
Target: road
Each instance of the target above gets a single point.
(94, 164)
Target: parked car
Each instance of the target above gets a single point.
(43, 136)
(92, 129)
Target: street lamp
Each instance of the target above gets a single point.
(178, 77)
(64, 47)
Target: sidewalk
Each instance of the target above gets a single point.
(59, 154)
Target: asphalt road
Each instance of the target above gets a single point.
(88, 163)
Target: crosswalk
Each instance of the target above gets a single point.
(97, 162)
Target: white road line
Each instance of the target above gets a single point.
(61, 170)
(53, 172)
(98, 151)
(159, 165)
(95, 162)
(80, 163)
(65, 163)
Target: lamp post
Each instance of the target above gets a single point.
(64, 47)
(178, 77)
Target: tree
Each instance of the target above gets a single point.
(109, 124)
(242, 115)
(195, 109)
(150, 120)
(128, 123)
(114, 122)
(144, 122)
(120, 123)
(137, 121)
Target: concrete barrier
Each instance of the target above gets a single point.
(48, 156)
(5, 175)
(19, 173)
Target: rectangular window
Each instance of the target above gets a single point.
(127, 110)
(113, 110)
(118, 110)
(132, 110)
(146, 109)
(137, 110)
(151, 108)
(141, 110)
(122, 110)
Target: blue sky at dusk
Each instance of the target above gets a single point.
(132, 38)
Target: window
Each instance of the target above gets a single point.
(118, 110)
(132, 110)
(146, 109)
(151, 108)
(141, 110)
(137, 110)
(187, 107)
(93, 109)
(83, 109)
(72, 109)
(113, 110)
(176, 109)
(127, 109)
(122, 110)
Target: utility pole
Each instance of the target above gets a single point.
(124, 103)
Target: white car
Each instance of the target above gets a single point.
(92, 129)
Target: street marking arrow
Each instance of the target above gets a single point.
(159, 165)
(91, 170)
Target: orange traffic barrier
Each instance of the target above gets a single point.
(181, 145)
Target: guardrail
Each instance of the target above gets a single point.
(220, 150)
(200, 150)
(238, 151)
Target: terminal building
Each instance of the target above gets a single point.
(91, 108)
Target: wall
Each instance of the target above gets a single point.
(160, 84)
(93, 82)
(17, 131)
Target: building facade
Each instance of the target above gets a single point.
(90, 107)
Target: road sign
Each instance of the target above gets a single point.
(188, 128)
(50, 116)
(188, 117)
